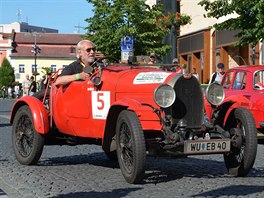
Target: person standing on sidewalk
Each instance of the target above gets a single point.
(33, 86)
(218, 75)
(26, 83)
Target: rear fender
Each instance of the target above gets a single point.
(38, 111)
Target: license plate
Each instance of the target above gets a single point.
(206, 146)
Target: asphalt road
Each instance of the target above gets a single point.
(85, 171)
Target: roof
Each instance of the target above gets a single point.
(47, 38)
(251, 68)
(46, 51)
(52, 45)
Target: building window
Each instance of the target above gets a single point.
(64, 66)
(34, 68)
(21, 68)
(53, 68)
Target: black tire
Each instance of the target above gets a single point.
(27, 143)
(131, 147)
(244, 149)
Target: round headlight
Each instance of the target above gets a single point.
(164, 95)
(215, 94)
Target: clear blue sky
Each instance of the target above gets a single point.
(63, 15)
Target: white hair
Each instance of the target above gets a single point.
(80, 45)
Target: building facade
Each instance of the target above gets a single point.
(25, 27)
(203, 48)
(57, 51)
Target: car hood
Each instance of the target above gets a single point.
(135, 79)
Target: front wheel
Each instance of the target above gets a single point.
(27, 143)
(241, 158)
(131, 148)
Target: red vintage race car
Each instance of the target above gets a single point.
(132, 111)
(244, 87)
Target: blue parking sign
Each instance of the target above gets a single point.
(127, 43)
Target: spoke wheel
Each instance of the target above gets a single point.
(27, 143)
(241, 158)
(131, 148)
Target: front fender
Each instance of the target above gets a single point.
(238, 102)
(38, 111)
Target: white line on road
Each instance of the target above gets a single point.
(5, 116)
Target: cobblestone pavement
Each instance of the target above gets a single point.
(85, 171)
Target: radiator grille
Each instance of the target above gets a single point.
(189, 101)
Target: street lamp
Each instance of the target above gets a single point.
(36, 50)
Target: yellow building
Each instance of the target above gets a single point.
(56, 51)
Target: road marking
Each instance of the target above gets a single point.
(5, 116)
(3, 194)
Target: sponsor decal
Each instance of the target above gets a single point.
(151, 77)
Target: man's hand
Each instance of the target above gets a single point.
(83, 76)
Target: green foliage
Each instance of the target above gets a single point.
(250, 18)
(7, 75)
(46, 70)
(114, 19)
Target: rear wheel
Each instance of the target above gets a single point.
(131, 148)
(27, 143)
(243, 145)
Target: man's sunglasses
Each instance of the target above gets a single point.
(89, 49)
(152, 57)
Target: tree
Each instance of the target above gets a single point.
(7, 75)
(249, 20)
(46, 70)
(114, 19)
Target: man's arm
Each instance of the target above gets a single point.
(66, 79)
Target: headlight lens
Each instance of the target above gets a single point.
(215, 94)
(164, 95)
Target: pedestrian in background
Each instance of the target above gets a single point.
(3, 89)
(33, 86)
(194, 73)
(44, 81)
(152, 58)
(10, 92)
(184, 69)
(26, 83)
(218, 75)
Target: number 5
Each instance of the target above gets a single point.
(100, 100)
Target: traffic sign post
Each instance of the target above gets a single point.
(127, 47)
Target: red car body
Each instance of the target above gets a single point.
(244, 87)
(131, 111)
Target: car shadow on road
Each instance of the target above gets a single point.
(97, 159)
(158, 170)
(116, 193)
(234, 190)
(165, 170)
